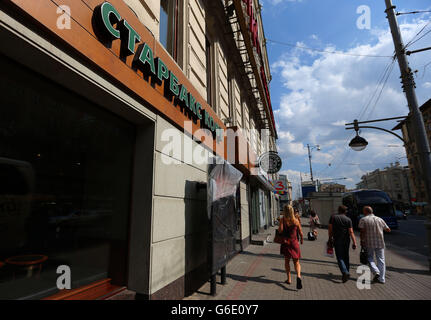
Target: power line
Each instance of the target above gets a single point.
(381, 90)
(420, 37)
(380, 84)
(381, 79)
(363, 111)
(412, 12)
(325, 51)
(417, 34)
(425, 66)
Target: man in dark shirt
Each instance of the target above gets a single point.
(340, 231)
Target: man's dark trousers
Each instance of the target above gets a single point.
(342, 254)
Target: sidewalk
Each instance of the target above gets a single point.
(258, 273)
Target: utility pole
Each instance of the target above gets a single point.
(309, 160)
(423, 148)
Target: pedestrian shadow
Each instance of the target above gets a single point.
(411, 271)
(269, 255)
(325, 276)
(259, 279)
(352, 265)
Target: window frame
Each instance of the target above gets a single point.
(172, 43)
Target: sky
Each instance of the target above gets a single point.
(315, 93)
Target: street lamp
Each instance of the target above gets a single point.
(358, 143)
(309, 157)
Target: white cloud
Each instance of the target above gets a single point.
(320, 96)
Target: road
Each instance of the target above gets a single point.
(410, 237)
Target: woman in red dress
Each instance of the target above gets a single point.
(289, 227)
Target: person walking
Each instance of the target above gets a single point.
(314, 223)
(296, 212)
(288, 227)
(298, 217)
(372, 239)
(340, 231)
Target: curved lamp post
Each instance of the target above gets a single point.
(358, 143)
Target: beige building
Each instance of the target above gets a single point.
(332, 188)
(285, 191)
(418, 186)
(325, 204)
(98, 96)
(394, 180)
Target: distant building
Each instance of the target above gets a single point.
(325, 204)
(418, 186)
(332, 188)
(393, 180)
(286, 197)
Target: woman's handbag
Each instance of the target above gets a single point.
(363, 256)
(278, 237)
(281, 237)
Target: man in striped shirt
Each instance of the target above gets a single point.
(372, 239)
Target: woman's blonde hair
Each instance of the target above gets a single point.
(289, 214)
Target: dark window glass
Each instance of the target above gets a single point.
(209, 71)
(169, 25)
(373, 197)
(65, 172)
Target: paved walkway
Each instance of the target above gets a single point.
(258, 274)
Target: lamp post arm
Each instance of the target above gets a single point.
(377, 128)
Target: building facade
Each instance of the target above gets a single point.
(111, 114)
(393, 180)
(286, 194)
(418, 186)
(332, 188)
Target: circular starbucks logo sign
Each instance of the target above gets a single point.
(270, 162)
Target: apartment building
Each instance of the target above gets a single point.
(394, 180)
(418, 186)
(284, 188)
(332, 187)
(108, 108)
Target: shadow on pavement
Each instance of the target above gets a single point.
(325, 276)
(259, 279)
(412, 271)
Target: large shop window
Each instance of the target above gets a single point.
(65, 180)
(169, 26)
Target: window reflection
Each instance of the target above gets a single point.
(65, 172)
(169, 26)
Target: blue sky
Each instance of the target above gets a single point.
(314, 94)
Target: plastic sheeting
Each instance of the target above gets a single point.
(222, 188)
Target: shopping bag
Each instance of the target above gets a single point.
(329, 250)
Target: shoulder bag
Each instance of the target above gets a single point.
(363, 256)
